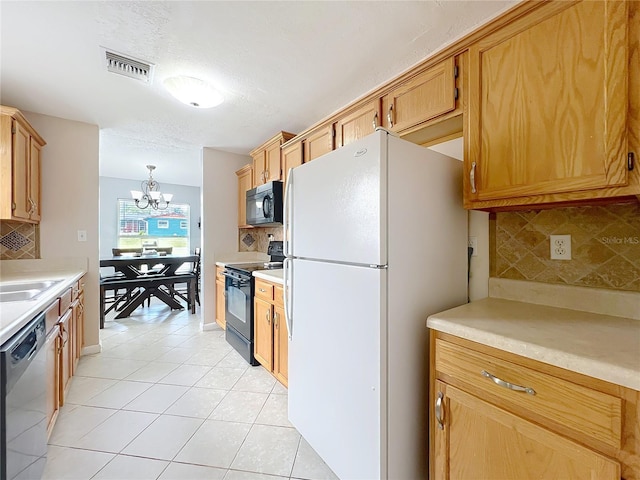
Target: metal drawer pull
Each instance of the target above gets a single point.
(510, 386)
(375, 121)
(439, 412)
(472, 177)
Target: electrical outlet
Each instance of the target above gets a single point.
(473, 243)
(560, 246)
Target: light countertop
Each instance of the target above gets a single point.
(274, 276)
(241, 257)
(14, 315)
(594, 344)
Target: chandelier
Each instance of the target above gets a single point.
(151, 196)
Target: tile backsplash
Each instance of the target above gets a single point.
(19, 240)
(605, 244)
(257, 239)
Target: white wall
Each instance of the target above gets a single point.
(478, 227)
(70, 202)
(219, 219)
(111, 189)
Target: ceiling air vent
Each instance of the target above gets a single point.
(129, 67)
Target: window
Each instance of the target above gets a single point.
(154, 228)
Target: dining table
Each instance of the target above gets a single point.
(143, 276)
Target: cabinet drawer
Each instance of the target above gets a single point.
(578, 408)
(278, 295)
(264, 290)
(65, 301)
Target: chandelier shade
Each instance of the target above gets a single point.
(151, 196)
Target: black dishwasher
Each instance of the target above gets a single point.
(23, 387)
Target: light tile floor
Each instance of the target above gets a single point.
(165, 400)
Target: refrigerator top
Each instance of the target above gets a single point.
(338, 204)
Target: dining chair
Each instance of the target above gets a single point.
(182, 288)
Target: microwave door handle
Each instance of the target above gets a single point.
(287, 213)
(266, 206)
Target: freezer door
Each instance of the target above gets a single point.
(337, 358)
(337, 204)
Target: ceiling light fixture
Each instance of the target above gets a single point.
(193, 91)
(151, 195)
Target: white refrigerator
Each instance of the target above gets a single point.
(376, 241)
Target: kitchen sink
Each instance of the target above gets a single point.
(20, 291)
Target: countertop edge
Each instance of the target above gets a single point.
(273, 276)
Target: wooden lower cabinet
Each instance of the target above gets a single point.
(51, 347)
(66, 352)
(263, 333)
(568, 426)
(220, 298)
(485, 442)
(271, 339)
(280, 346)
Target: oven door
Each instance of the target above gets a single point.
(238, 302)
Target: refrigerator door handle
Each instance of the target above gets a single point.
(286, 214)
(287, 295)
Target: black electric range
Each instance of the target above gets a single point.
(239, 289)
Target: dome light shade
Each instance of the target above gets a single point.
(193, 91)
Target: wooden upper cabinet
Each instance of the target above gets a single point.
(358, 123)
(245, 182)
(427, 95)
(259, 168)
(34, 178)
(318, 142)
(267, 160)
(20, 147)
(291, 158)
(548, 105)
(273, 162)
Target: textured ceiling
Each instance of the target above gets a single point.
(280, 65)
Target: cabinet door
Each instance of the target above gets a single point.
(547, 103)
(52, 365)
(358, 124)
(34, 179)
(425, 96)
(273, 167)
(291, 158)
(244, 183)
(20, 176)
(78, 329)
(481, 441)
(263, 333)
(66, 353)
(280, 346)
(220, 305)
(258, 168)
(318, 143)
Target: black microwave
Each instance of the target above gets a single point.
(264, 205)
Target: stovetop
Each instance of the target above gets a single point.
(252, 267)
